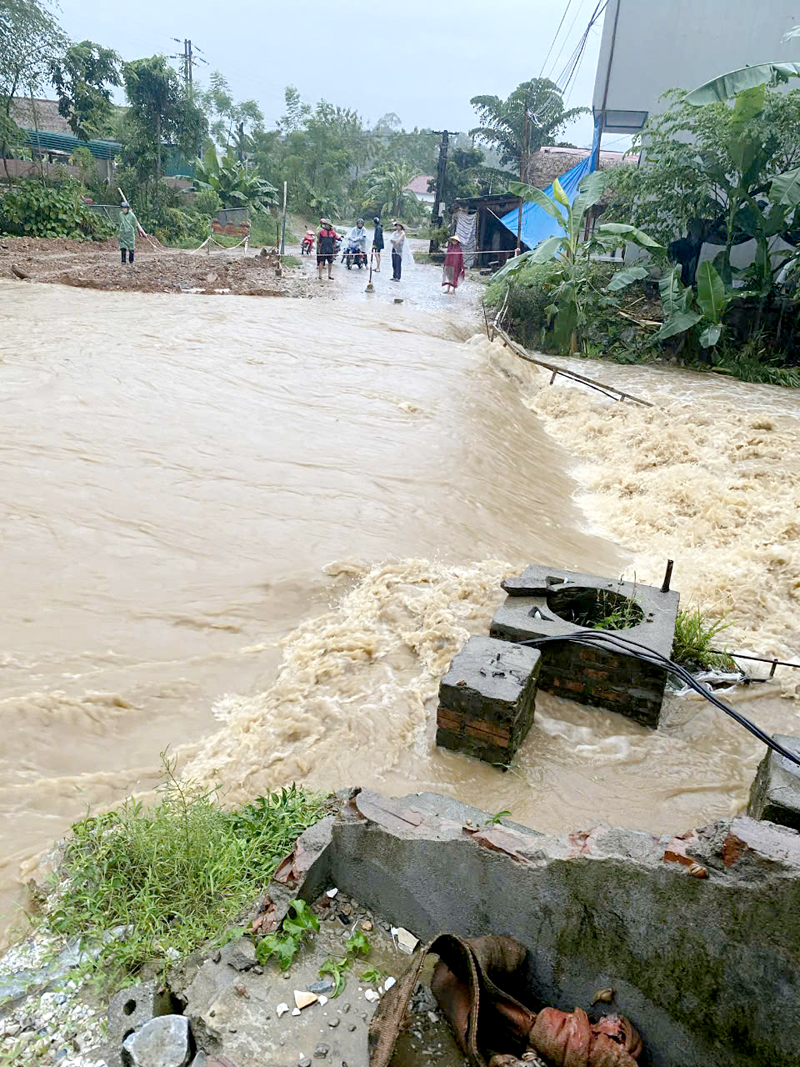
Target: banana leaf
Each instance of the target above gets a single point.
(726, 86)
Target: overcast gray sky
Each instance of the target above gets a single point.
(419, 59)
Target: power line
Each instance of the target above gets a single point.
(566, 38)
(555, 38)
(570, 72)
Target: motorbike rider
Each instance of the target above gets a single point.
(357, 238)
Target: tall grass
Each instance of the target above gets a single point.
(173, 876)
(695, 636)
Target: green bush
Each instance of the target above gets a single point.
(30, 209)
(605, 332)
(173, 876)
(207, 202)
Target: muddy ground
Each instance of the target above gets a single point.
(93, 265)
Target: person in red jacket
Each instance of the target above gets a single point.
(326, 248)
(453, 269)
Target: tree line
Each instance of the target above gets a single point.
(334, 163)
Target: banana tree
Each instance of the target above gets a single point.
(234, 182)
(699, 314)
(572, 252)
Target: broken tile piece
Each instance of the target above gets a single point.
(303, 998)
(404, 939)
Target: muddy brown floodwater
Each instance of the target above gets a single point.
(255, 530)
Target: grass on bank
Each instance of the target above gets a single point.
(174, 876)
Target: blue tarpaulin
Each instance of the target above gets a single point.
(537, 225)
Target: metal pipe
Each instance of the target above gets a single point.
(667, 577)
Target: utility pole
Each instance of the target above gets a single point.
(441, 174)
(188, 61)
(241, 142)
(522, 157)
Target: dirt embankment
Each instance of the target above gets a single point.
(156, 270)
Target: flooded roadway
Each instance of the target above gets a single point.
(196, 490)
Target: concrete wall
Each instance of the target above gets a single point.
(680, 44)
(707, 968)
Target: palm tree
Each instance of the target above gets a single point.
(504, 120)
(386, 187)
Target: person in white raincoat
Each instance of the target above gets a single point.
(401, 251)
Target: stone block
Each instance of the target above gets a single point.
(129, 1010)
(775, 793)
(548, 602)
(163, 1042)
(487, 699)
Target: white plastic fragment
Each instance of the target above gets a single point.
(281, 1009)
(295, 1011)
(371, 996)
(303, 998)
(323, 1000)
(389, 982)
(331, 893)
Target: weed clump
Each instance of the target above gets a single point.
(695, 637)
(150, 883)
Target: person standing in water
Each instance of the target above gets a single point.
(398, 240)
(453, 269)
(326, 248)
(377, 243)
(128, 226)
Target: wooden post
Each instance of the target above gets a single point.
(283, 224)
(522, 155)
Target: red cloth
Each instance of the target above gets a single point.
(453, 266)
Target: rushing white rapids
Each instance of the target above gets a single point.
(181, 471)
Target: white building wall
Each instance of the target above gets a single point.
(649, 46)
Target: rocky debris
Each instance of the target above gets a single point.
(97, 266)
(163, 1042)
(775, 794)
(241, 955)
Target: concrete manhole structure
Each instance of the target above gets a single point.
(547, 602)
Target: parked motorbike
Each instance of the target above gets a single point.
(307, 244)
(354, 254)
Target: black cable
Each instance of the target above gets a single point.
(655, 659)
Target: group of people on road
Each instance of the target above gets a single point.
(328, 240)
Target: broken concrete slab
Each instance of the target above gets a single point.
(775, 793)
(487, 699)
(708, 969)
(544, 601)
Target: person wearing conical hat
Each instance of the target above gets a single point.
(453, 269)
